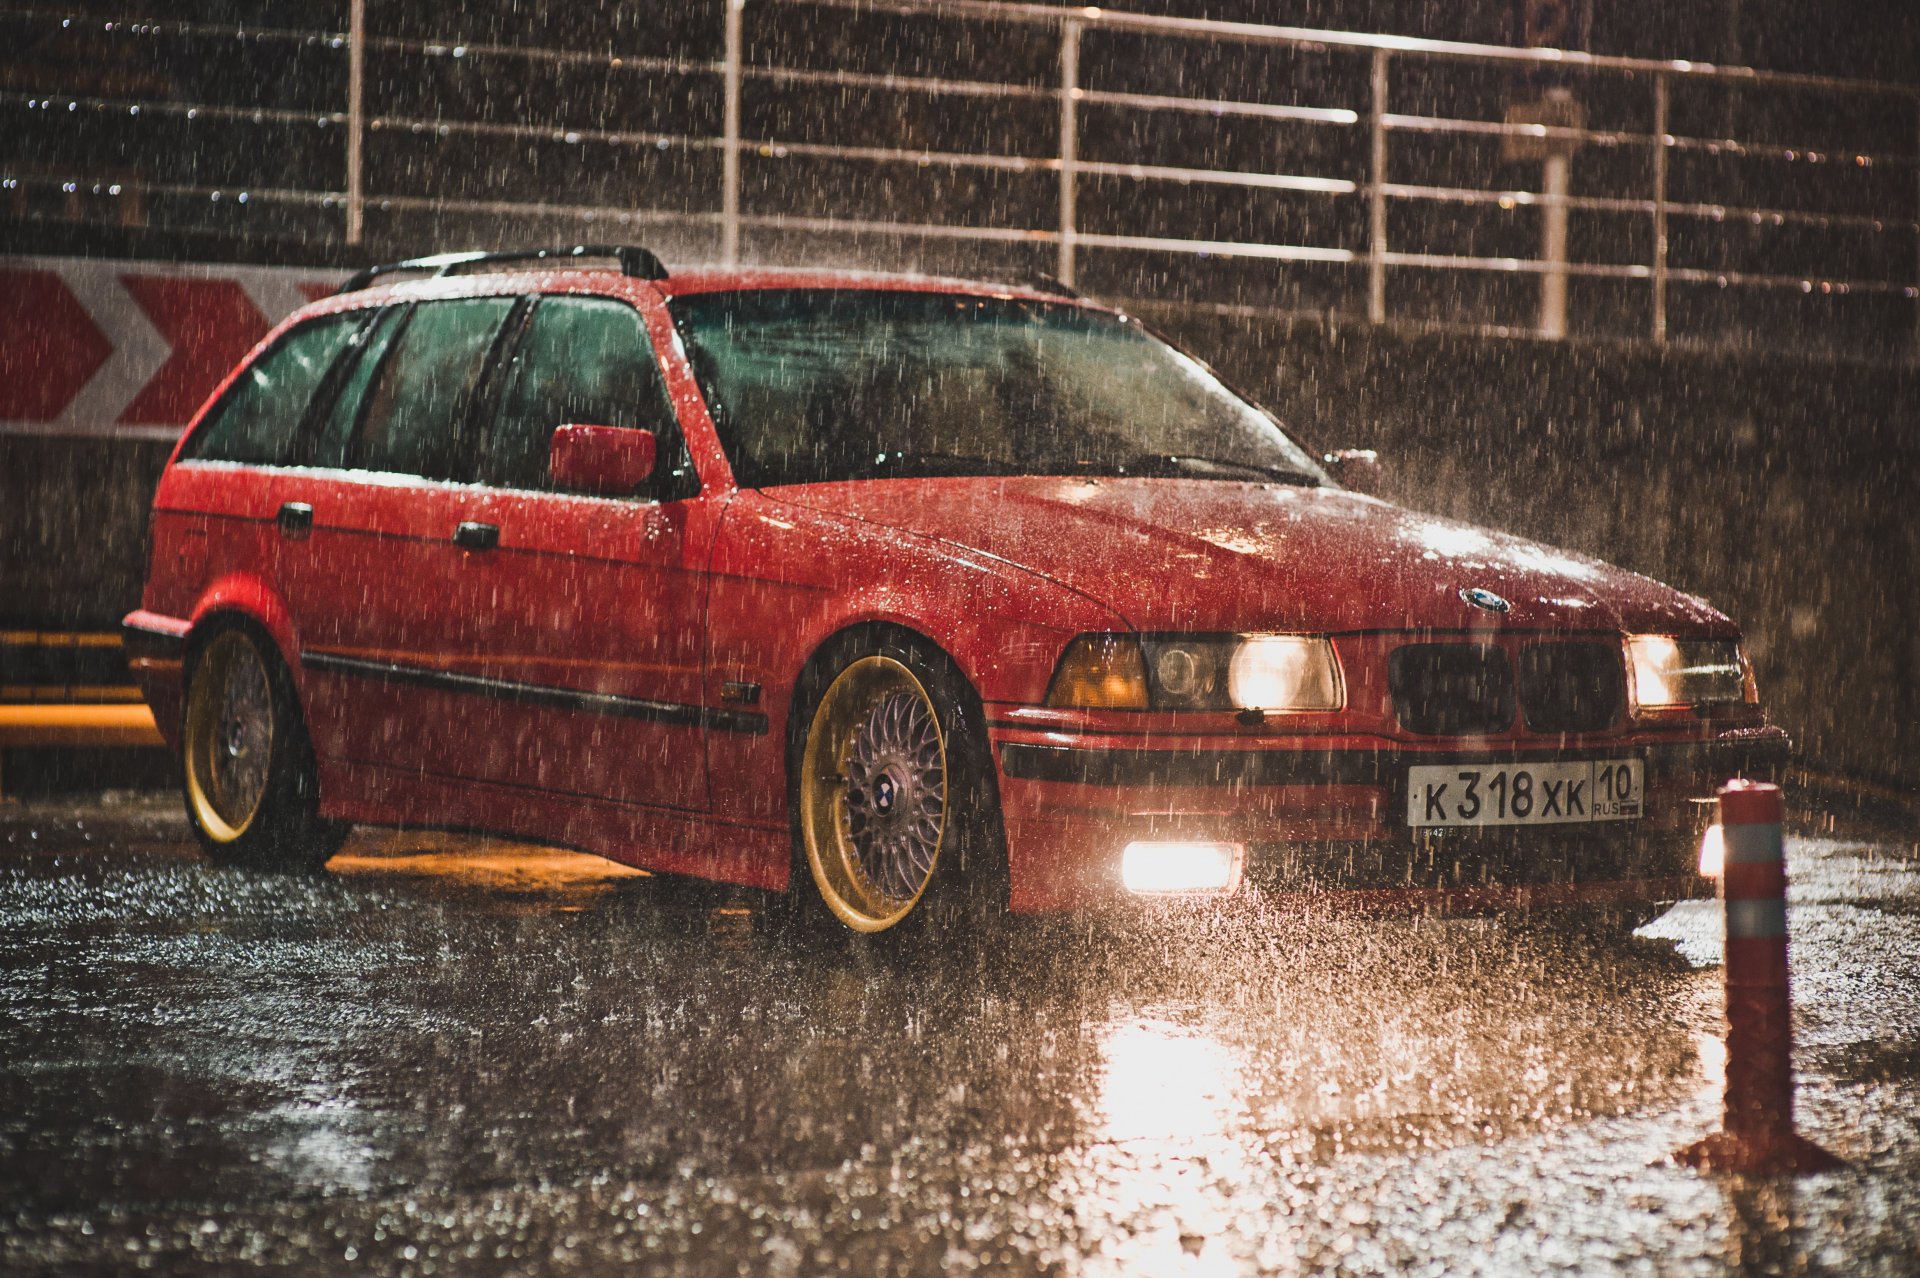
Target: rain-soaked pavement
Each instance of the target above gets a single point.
(457, 1057)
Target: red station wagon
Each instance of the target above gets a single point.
(894, 595)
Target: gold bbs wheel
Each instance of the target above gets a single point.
(874, 793)
(229, 737)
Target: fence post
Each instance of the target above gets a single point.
(1556, 183)
(730, 157)
(1069, 145)
(1377, 195)
(356, 116)
(1659, 207)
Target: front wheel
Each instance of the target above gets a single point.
(247, 768)
(896, 819)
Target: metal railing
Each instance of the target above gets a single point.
(1380, 191)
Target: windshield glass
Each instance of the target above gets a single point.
(817, 385)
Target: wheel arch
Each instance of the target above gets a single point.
(852, 635)
(245, 599)
(811, 680)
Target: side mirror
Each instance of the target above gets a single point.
(1355, 468)
(601, 461)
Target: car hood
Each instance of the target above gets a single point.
(1200, 555)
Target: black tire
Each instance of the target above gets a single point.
(247, 772)
(831, 892)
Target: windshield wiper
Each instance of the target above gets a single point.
(1187, 463)
(941, 464)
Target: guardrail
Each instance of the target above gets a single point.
(66, 689)
(1670, 212)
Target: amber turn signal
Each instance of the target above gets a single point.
(1101, 672)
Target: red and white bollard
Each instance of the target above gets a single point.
(1757, 1133)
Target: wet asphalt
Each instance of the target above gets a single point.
(453, 1056)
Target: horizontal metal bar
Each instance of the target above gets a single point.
(1512, 199)
(899, 83)
(1220, 177)
(1790, 154)
(907, 230)
(1635, 271)
(1615, 137)
(768, 149)
(1799, 283)
(1016, 235)
(68, 103)
(146, 28)
(1312, 38)
(1606, 204)
(1223, 248)
(541, 208)
(1041, 92)
(1051, 164)
(114, 186)
(1519, 265)
(1789, 217)
(1221, 107)
(543, 132)
(553, 57)
(336, 41)
(183, 110)
(1402, 123)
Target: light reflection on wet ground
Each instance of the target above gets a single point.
(452, 1055)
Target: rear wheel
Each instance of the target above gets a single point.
(896, 820)
(247, 767)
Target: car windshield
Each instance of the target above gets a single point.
(817, 385)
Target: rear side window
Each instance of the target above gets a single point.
(258, 421)
(415, 419)
(336, 432)
(585, 360)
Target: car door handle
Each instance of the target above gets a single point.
(476, 536)
(295, 520)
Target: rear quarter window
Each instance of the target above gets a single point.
(415, 417)
(258, 420)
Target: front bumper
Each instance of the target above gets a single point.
(1326, 818)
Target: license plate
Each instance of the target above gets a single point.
(1525, 793)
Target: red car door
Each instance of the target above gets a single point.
(377, 578)
(586, 620)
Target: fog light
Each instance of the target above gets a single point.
(1713, 856)
(1181, 867)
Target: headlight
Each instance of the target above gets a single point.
(1100, 672)
(1279, 673)
(1283, 672)
(1687, 672)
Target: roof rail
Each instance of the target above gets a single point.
(637, 262)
